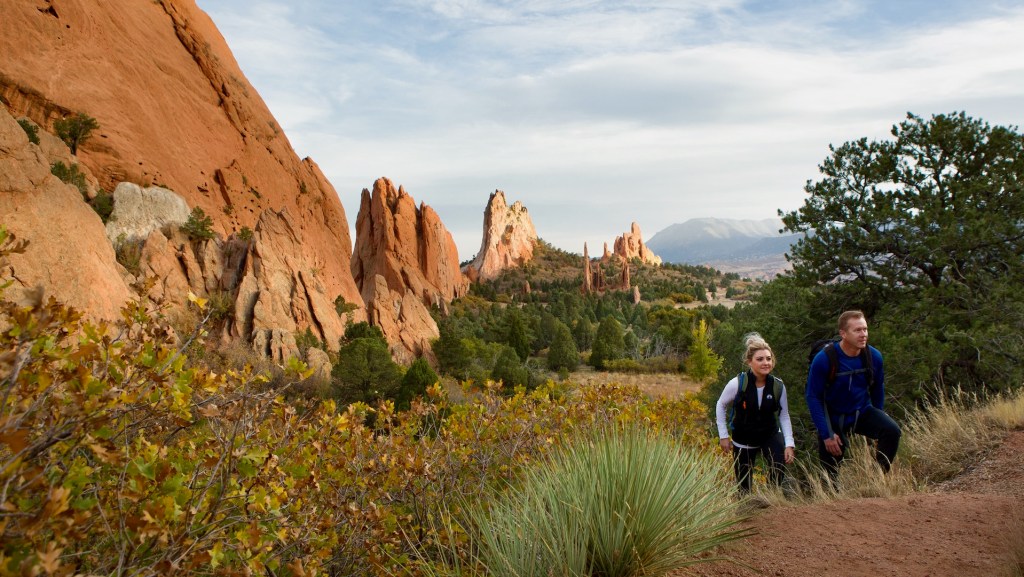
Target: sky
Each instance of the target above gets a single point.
(597, 113)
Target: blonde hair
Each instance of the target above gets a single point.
(848, 316)
(753, 342)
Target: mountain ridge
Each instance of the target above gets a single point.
(755, 247)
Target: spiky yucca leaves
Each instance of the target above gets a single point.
(614, 502)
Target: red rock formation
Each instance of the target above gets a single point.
(631, 245)
(76, 262)
(588, 273)
(624, 281)
(174, 108)
(402, 251)
(508, 241)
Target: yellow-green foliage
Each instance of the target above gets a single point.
(114, 454)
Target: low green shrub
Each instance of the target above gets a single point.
(616, 502)
(199, 226)
(31, 130)
(70, 175)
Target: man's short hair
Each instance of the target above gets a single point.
(847, 316)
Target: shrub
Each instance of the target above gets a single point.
(625, 366)
(609, 344)
(31, 130)
(615, 503)
(509, 369)
(129, 253)
(245, 234)
(342, 306)
(416, 381)
(198, 226)
(103, 204)
(563, 353)
(70, 175)
(75, 130)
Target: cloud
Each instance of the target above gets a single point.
(654, 111)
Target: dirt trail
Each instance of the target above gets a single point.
(961, 529)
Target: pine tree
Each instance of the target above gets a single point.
(563, 353)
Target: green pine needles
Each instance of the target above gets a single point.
(615, 503)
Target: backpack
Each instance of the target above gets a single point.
(829, 346)
(741, 389)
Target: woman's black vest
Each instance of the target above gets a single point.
(752, 425)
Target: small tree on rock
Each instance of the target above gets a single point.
(75, 130)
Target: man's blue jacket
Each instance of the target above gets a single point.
(847, 395)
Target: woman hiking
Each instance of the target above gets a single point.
(759, 422)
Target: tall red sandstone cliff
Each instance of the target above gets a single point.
(405, 261)
(508, 240)
(174, 109)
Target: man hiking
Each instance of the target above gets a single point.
(846, 393)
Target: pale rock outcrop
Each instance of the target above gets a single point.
(68, 254)
(631, 245)
(508, 240)
(139, 211)
(405, 261)
(190, 122)
(636, 295)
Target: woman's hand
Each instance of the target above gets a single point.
(726, 444)
(789, 455)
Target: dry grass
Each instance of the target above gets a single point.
(1015, 548)
(938, 443)
(946, 437)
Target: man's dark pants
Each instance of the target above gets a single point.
(873, 424)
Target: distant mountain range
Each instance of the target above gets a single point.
(752, 248)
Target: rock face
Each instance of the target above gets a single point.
(75, 263)
(508, 240)
(173, 109)
(139, 211)
(588, 272)
(405, 261)
(631, 245)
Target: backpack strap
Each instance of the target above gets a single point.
(741, 385)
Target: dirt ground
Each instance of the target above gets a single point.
(962, 528)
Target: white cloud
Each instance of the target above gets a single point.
(655, 112)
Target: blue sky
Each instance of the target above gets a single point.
(597, 113)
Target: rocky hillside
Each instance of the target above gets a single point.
(173, 110)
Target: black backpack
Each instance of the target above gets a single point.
(829, 346)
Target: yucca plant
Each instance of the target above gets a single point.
(616, 502)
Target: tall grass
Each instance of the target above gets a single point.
(947, 436)
(939, 442)
(614, 503)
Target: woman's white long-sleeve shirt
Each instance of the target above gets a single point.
(729, 396)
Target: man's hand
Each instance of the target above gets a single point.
(834, 446)
(726, 444)
(789, 455)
